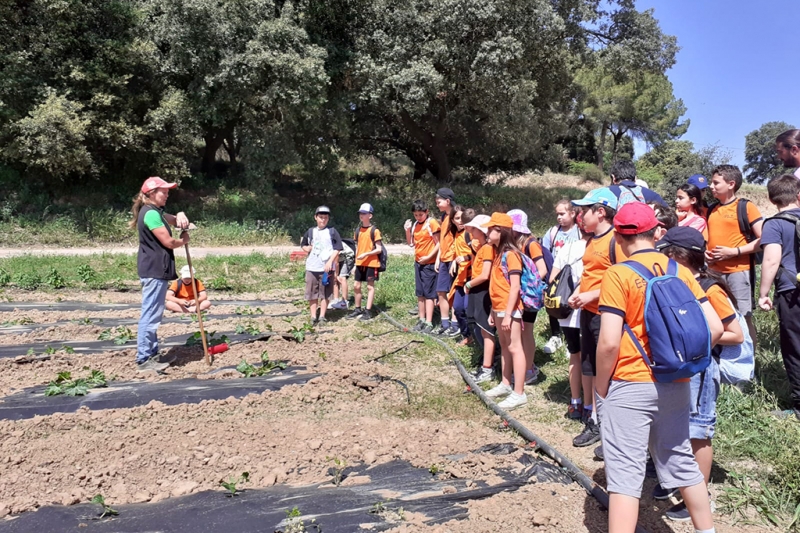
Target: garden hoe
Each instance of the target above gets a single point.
(196, 303)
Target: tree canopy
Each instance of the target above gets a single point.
(761, 162)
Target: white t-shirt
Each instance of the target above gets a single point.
(571, 254)
(323, 242)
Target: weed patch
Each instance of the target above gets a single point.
(120, 335)
(64, 384)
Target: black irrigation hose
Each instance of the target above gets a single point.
(571, 469)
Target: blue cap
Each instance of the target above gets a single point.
(602, 196)
(699, 181)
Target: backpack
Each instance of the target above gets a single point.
(531, 285)
(383, 255)
(427, 226)
(629, 194)
(794, 219)
(546, 255)
(558, 293)
(736, 363)
(680, 339)
(348, 250)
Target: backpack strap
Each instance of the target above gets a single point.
(553, 233)
(179, 286)
(706, 283)
(744, 222)
(372, 235)
(710, 209)
(413, 229)
(612, 250)
(641, 199)
(796, 221)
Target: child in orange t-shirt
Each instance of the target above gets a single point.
(423, 236)
(368, 250)
(460, 272)
(639, 413)
(446, 203)
(507, 310)
(479, 304)
(728, 251)
(180, 297)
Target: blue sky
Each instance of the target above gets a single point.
(737, 67)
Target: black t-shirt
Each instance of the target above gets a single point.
(154, 260)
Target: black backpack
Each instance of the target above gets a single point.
(383, 255)
(794, 219)
(558, 293)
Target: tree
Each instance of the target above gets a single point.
(761, 161)
(676, 160)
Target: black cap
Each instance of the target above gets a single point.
(447, 194)
(322, 210)
(683, 237)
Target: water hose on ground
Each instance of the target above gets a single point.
(569, 467)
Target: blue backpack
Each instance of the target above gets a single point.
(680, 339)
(531, 285)
(630, 194)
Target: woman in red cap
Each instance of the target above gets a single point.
(155, 264)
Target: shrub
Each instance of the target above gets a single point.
(54, 279)
(5, 278)
(27, 281)
(86, 273)
(593, 173)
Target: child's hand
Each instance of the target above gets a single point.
(577, 301)
(765, 303)
(361, 256)
(720, 253)
(407, 225)
(710, 257)
(436, 266)
(506, 325)
(453, 267)
(491, 320)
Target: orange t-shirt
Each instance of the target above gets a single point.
(424, 241)
(723, 230)
(446, 241)
(623, 293)
(364, 245)
(533, 249)
(461, 248)
(185, 292)
(499, 286)
(719, 301)
(485, 253)
(596, 261)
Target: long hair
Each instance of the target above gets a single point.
(139, 201)
(452, 228)
(696, 262)
(692, 191)
(520, 240)
(507, 242)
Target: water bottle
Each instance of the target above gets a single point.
(325, 278)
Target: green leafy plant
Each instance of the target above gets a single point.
(85, 321)
(266, 366)
(17, 322)
(5, 278)
(220, 283)
(247, 310)
(231, 484)
(296, 524)
(338, 469)
(64, 384)
(86, 274)
(120, 335)
(211, 338)
(106, 509)
(55, 280)
(434, 469)
(299, 333)
(250, 328)
(29, 281)
(193, 316)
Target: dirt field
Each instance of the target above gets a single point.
(293, 436)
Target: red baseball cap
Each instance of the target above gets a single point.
(634, 218)
(154, 182)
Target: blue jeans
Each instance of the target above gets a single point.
(460, 309)
(154, 292)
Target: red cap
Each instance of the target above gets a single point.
(634, 218)
(154, 182)
(499, 219)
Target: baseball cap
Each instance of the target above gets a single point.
(698, 180)
(185, 273)
(322, 210)
(499, 219)
(684, 237)
(634, 218)
(520, 221)
(478, 222)
(602, 196)
(154, 182)
(447, 194)
(365, 208)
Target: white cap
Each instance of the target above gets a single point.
(185, 273)
(478, 223)
(365, 208)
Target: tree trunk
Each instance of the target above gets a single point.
(432, 144)
(232, 147)
(601, 148)
(214, 140)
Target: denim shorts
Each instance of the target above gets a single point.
(703, 410)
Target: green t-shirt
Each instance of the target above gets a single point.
(152, 219)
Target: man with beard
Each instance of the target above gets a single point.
(787, 146)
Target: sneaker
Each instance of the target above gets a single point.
(366, 315)
(355, 313)
(427, 329)
(151, 365)
(418, 326)
(598, 453)
(339, 304)
(552, 345)
(452, 333)
(501, 390)
(484, 375)
(441, 330)
(322, 321)
(513, 401)
(532, 376)
(575, 411)
(589, 435)
(660, 493)
(413, 311)
(315, 321)
(164, 357)
(678, 513)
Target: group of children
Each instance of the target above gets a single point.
(474, 268)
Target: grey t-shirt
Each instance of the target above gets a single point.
(782, 232)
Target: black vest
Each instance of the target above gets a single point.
(154, 260)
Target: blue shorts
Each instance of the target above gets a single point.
(425, 279)
(703, 410)
(444, 280)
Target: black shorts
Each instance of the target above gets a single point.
(425, 281)
(573, 338)
(364, 273)
(479, 306)
(443, 278)
(590, 333)
(529, 317)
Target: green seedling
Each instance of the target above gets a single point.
(84, 321)
(387, 514)
(106, 509)
(5, 278)
(266, 367)
(120, 335)
(17, 322)
(323, 356)
(231, 484)
(211, 339)
(193, 316)
(247, 310)
(434, 469)
(250, 328)
(54, 279)
(338, 469)
(64, 384)
(300, 333)
(86, 274)
(27, 281)
(296, 524)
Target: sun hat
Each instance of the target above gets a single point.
(365, 208)
(322, 210)
(520, 221)
(478, 223)
(602, 196)
(446, 194)
(499, 219)
(634, 218)
(185, 273)
(154, 182)
(683, 237)
(698, 180)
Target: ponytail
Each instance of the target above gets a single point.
(139, 201)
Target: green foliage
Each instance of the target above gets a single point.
(196, 339)
(64, 384)
(265, 367)
(54, 280)
(86, 274)
(29, 281)
(760, 157)
(250, 328)
(677, 160)
(120, 335)
(231, 484)
(338, 468)
(105, 509)
(594, 174)
(5, 278)
(299, 332)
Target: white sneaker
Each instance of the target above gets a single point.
(513, 401)
(501, 390)
(552, 345)
(532, 376)
(484, 375)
